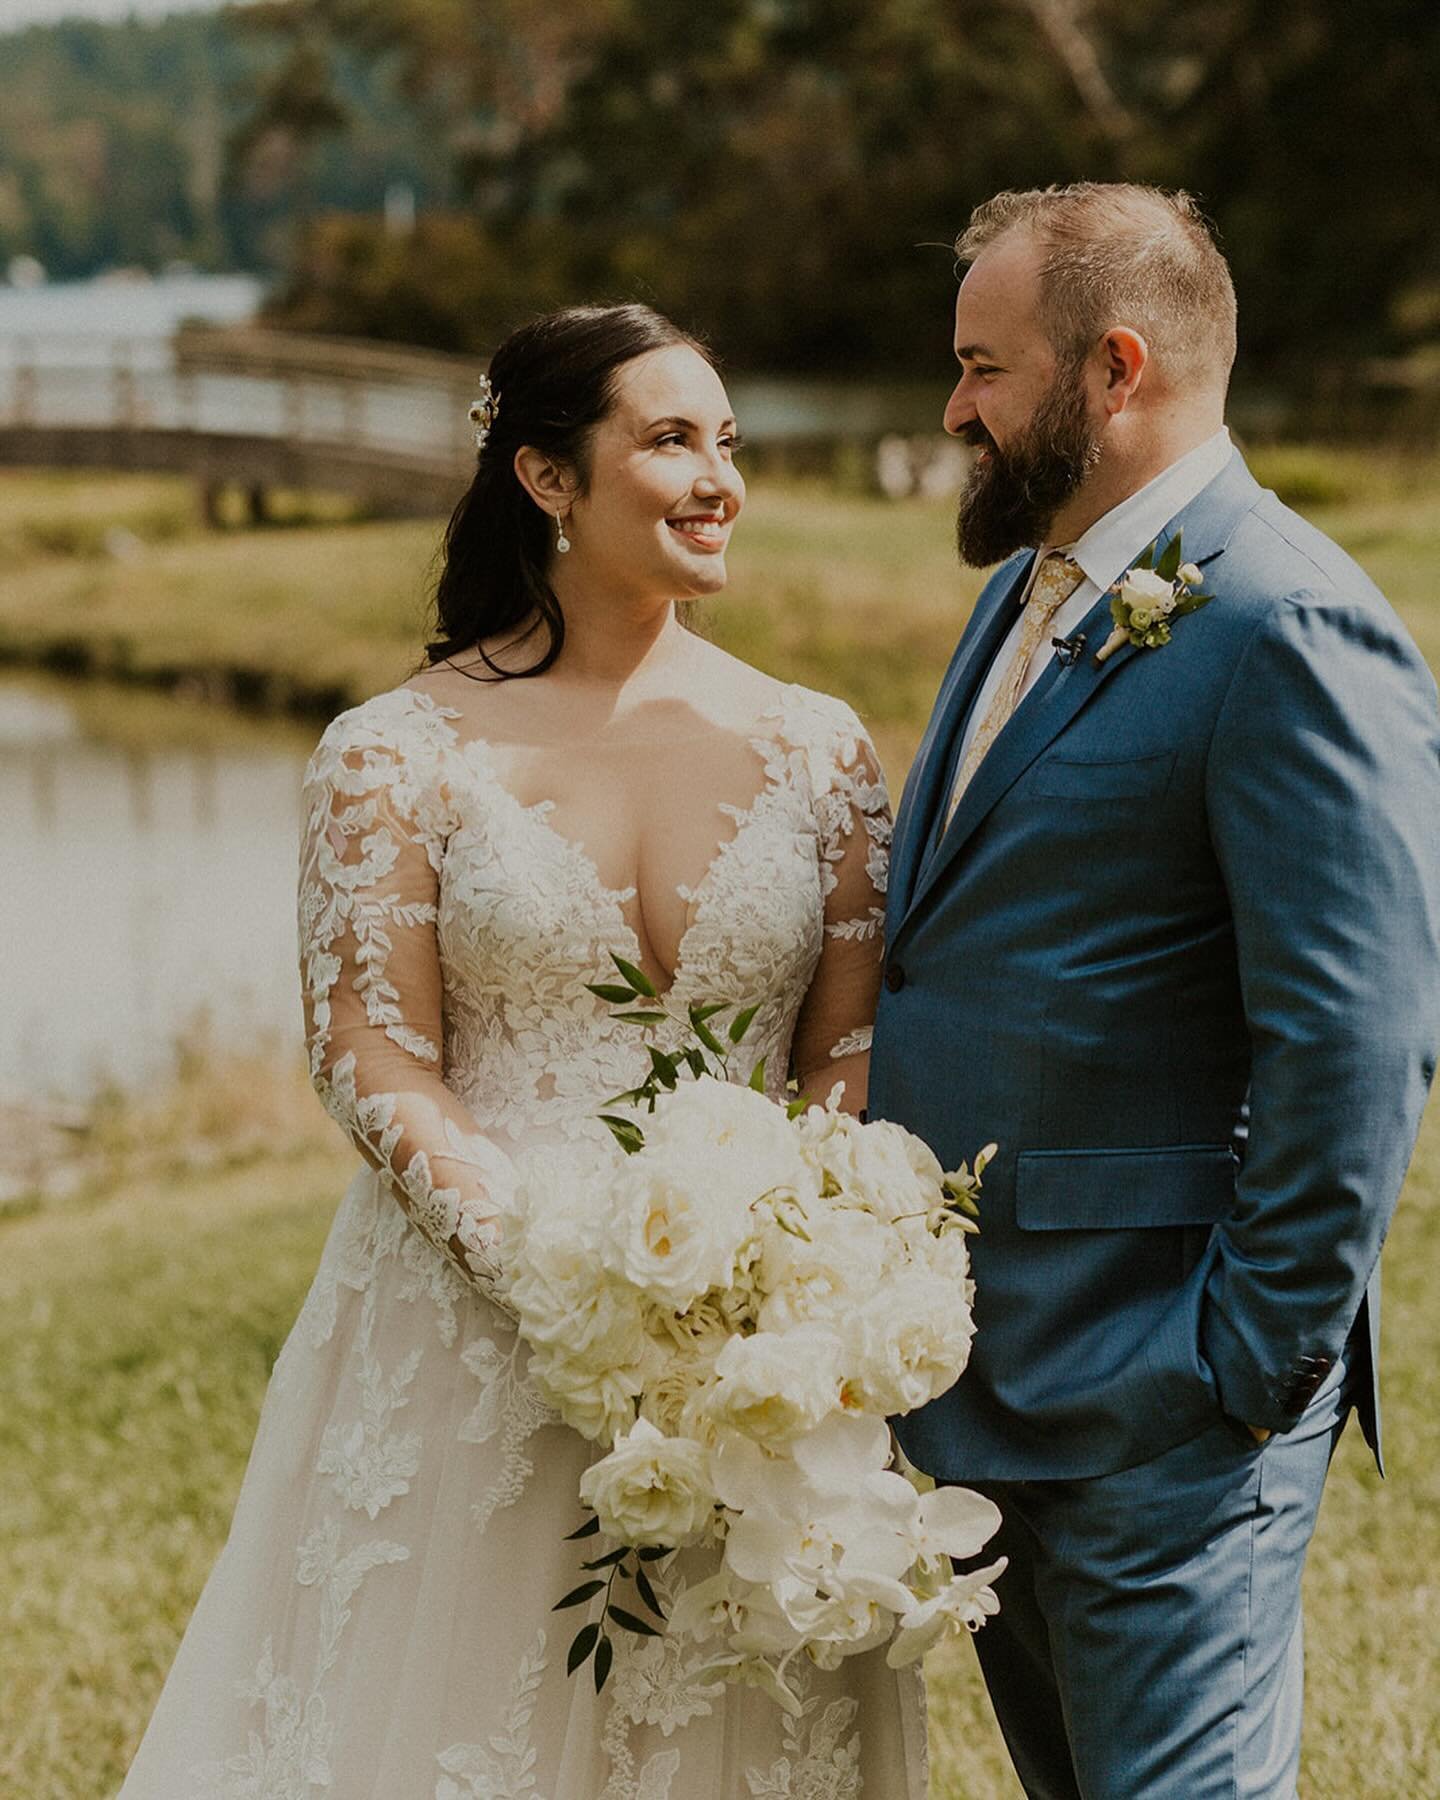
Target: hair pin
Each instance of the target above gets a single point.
(484, 412)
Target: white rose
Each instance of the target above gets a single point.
(1143, 587)
(775, 1386)
(598, 1403)
(1190, 574)
(907, 1345)
(682, 1213)
(566, 1299)
(880, 1165)
(671, 1232)
(822, 1278)
(651, 1489)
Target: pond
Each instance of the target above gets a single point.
(148, 891)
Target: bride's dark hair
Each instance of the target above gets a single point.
(553, 381)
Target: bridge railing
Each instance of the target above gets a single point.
(393, 403)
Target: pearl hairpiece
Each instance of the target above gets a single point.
(483, 412)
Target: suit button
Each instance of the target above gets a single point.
(894, 978)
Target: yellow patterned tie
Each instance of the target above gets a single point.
(1057, 579)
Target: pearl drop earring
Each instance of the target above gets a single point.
(562, 543)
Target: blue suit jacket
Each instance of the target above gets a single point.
(1187, 879)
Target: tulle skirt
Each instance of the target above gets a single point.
(379, 1625)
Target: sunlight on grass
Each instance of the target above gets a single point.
(140, 1312)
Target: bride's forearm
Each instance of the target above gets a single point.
(852, 1071)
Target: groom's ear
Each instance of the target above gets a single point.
(1125, 356)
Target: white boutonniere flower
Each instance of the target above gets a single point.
(1150, 596)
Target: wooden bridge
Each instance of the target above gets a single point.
(247, 408)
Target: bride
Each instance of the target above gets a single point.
(572, 774)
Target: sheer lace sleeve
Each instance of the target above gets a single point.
(832, 1035)
(378, 812)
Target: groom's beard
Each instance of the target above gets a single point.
(1009, 501)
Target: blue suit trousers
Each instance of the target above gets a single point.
(1149, 1639)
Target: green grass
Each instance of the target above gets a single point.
(840, 591)
(140, 1315)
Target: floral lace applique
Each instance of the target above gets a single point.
(821, 1762)
(291, 1757)
(509, 1405)
(503, 1767)
(371, 1465)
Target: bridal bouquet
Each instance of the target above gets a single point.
(732, 1309)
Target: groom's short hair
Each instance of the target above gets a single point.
(1116, 253)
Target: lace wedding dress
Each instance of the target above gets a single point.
(379, 1625)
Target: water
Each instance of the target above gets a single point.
(144, 892)
(75, 322)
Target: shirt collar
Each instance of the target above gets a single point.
(1112, 543)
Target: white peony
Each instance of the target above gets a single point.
(774, 1386)
(651, 1489)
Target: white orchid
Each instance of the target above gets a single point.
(963, 1604)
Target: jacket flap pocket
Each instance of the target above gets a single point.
(1136, 778)
(1105, 1190)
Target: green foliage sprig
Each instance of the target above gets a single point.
(638, 1002)
(593, 1640)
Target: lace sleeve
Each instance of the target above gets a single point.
(377, 813)
(832, 1035)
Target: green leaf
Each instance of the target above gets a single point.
(628, 1622)
(1171, 558)
(696, 1062)
(646, 1592)
(653, 1552)
(664, 1066)
(742, 1022)
(603, 1658)
(626, 1132)
(577, 1596)
(639, 1018)
(608, 990)
(709, 1009)
(609, 1560)
(1146, 558)
(584, 1642)
(637, 978)
(588, 1529)
(757, 1076)
(796, 1106)
(706, 1036)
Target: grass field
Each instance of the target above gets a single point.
(140, 1314)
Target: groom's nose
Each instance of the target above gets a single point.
(959, 411)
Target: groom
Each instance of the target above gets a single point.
(1165, 926)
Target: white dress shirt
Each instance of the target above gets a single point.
(1104, 552)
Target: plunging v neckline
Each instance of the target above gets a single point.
(537, 813)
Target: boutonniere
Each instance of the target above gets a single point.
(1150, 596)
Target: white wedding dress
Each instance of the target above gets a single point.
(379, 1625)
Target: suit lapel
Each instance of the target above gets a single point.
(1207, 522)
(992, 618)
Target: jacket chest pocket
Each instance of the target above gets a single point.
(1107, 1190)
(1128, 778)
